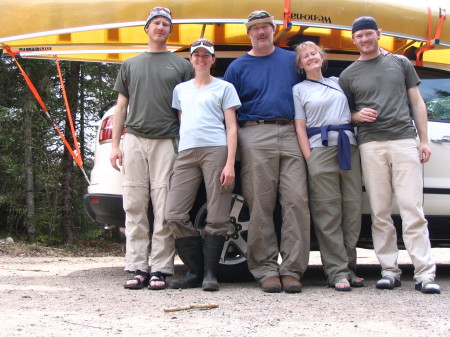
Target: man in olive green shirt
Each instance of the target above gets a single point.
(145, 84)
(384, 95)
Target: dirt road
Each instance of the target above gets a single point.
(83, 296)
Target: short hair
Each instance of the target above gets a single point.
(308, 44)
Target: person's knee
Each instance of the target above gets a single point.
(174, 216)
(217, 227)
(137, 233)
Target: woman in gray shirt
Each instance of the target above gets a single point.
(326, 138)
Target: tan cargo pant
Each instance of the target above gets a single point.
(191, 168)
(147, 165)
(394, 167)
(272, 163)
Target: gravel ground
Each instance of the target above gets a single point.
(47, 292)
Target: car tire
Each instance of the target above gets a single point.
(233, 261)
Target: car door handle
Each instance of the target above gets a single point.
(444, 139)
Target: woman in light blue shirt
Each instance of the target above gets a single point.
(208, 141)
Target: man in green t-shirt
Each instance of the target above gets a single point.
(145, 84)
(385, 99)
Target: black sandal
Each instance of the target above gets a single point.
(140, 283)
(157, 276)
(356, 282)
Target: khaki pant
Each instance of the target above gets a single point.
(272, 163)
(393, 167)
(335, 199)
(191, 168)
(147, 165)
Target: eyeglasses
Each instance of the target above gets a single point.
(159, 9)
(202, 42)
(258, 15)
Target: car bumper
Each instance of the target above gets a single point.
(105, 208)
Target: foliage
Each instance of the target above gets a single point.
(439, 108)
(95, 89)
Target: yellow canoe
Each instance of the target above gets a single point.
(112, 30)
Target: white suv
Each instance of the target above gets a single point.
(104, 201)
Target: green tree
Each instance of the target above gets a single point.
(58, 183)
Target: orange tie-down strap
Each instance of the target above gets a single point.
(287, 15)
(74, 152)
(428, 45)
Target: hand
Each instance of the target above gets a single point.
(116, 157)
(227, 175)
(306, 154)
(424, 152)
(384, 51)
(367, 115)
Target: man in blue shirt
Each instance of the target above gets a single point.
(271, 159)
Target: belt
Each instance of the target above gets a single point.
(278, 121)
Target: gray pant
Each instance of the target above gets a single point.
(336, 199)
(272, 162)
(191, 168)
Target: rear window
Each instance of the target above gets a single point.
(435, 90)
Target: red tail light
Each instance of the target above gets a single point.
(106, 130)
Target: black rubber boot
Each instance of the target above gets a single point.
(212, 249)
(190, 251)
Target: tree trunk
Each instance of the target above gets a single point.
(68, 216)
(29, 177)
(28, 107)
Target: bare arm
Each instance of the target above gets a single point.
(419, 114)
(120, 114)
(228, 175)
(300, 129)
(366, 115)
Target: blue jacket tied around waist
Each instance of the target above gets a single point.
(344, 151)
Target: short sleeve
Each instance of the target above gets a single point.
(175, 98)
(298, 104)
(231, 98)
